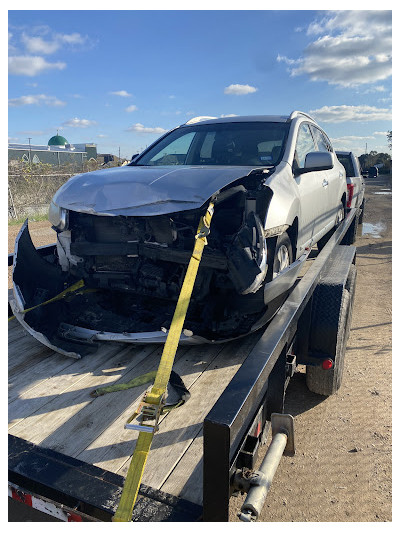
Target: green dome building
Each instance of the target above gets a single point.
(57, 140)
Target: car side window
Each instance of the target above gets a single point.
(304, 145)
(320, 140)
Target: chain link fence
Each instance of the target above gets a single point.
(31, 187)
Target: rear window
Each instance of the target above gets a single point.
(347, 163)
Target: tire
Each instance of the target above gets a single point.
(327, 382)
(361, 215)
(331, 328)
(351, 235)
(283, 256)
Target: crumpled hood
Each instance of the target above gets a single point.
(145, 191)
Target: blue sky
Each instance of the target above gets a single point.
(121, 78)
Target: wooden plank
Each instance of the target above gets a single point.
(53, 377)
(186, 479)
(100, 413)
(17, 332)
(111, 453)
(181, 426)
(12, 323)
(37, 393)
(46, 426)
(47, 365)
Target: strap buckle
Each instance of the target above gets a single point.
(147, 416)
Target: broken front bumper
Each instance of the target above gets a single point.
(38, 279)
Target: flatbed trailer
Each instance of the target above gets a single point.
(69, 453)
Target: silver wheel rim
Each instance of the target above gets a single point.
(283, 259)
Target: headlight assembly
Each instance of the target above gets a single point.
(58, 216)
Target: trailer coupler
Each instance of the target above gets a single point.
(258, 482)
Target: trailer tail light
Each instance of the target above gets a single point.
(350, 191)
(327, 364)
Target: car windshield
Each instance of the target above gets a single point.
(232, 143)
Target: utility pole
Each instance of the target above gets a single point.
(30, 150)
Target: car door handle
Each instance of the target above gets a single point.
(325, 183)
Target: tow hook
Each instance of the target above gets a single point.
(258, 482)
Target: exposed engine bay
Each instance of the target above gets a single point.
(133, 269)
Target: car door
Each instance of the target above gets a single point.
(309, 188)
(331, 184)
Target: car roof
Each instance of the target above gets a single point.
(247, 118)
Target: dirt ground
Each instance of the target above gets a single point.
(342, 468)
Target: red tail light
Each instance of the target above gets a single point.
(327, 364)
(350, 190)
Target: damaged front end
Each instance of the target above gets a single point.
(132, 268)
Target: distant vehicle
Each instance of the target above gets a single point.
(355, 181)
(373, 172)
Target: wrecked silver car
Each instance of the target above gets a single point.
(125, 235)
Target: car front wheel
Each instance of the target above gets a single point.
(283, 254)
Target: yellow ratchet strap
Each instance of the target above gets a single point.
(152, 404)
(72, 288)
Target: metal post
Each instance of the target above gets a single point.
(30, 151)
(216, 471)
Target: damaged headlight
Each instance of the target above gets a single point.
(58, 216)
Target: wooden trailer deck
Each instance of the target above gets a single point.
(50, 405)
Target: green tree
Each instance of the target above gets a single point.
(389, 138)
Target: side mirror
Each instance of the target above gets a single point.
(134, 157)
(317, 161)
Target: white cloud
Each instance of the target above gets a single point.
(352, 48)
(71, 38)
(376, 89)
(36, 99)
(102, 135)
(31, 65)
(380, 133)
(351, 138)
(230, 115)
(35, 44)
(139, 128)
(131, 108)
(79, 123)
(240, 89)
(121, 93)
(345, 113)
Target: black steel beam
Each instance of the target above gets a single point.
(228, 422)
(87, 488)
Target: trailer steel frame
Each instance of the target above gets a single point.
(256, 391)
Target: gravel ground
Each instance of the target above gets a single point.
(342, 468)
